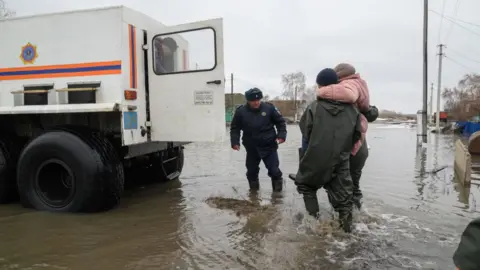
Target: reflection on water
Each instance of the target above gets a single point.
(111, 240)
(420, 167)
(414, 213)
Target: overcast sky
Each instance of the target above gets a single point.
(266, 38)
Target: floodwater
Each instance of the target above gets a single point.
(208, 220)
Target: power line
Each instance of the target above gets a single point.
(454, 19)
(441, 21)
(462, 21)
(455, 12)
(456, 62)
(454, 22)
(463, 56)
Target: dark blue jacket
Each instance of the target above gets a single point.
(258, 126)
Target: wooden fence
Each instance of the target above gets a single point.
(462, 163)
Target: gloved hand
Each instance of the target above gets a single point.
(236, 147)
(371, 114)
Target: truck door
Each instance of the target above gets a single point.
(187, 83)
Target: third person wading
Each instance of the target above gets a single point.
(258, 121)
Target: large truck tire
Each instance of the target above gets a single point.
(70, 169)
(9, 152)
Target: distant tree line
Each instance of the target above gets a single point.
(463, 101)
(396, 115)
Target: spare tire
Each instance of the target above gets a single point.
(70, 171)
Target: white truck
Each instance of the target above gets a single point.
(87, 95)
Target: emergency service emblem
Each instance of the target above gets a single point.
(29, 54)
(264, 113)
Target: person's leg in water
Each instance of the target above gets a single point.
(357, 163)
(272, 163)
(310, 199)
(340, 192)
(309, 193)
(252, 163)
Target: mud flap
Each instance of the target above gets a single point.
(173, 175)
(178, 160)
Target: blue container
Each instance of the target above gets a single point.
(470, 128)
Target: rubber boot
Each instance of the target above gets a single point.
(311, 204)
(345, 218)
(254, 185)
(357, 202)
(277, 184)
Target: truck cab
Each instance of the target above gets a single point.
(443, 117)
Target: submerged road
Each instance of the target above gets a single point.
(208, 219)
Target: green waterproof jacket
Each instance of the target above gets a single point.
(331, 129)
(467, 255)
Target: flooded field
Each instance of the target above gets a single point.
(208, 219)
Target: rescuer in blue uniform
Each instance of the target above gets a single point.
(258, 121)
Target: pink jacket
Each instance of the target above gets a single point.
(351, 89)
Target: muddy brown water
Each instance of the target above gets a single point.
(209, 220)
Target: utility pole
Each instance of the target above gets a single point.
(425, 71)
(232, 105)
(430, 109)
(439, 87)
(295, 105)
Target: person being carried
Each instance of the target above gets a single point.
(331, 129)
(258, 121)
(351, 89)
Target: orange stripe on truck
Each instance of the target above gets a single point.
(132, 38)
(57, 71)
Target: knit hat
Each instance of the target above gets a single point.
(253, 94)
(344, 70)
(327, 77)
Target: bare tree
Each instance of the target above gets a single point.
(463, 101)
(4, 11)
(292, 82)
(309, 94)
(294, 89)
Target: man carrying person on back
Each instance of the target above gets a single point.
(331, 128)
(351, 89)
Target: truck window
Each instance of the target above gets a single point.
(181, 52)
